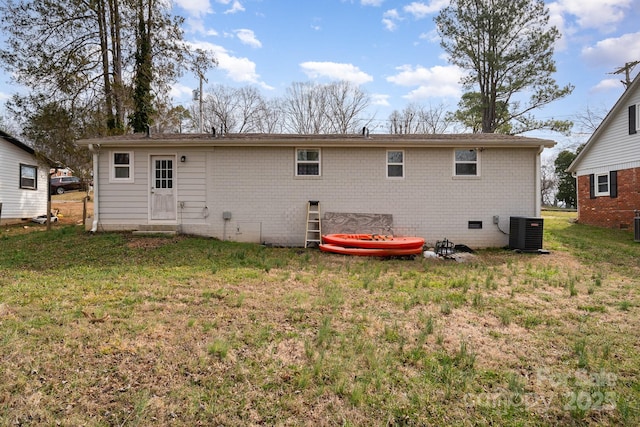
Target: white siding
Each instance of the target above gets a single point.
(127, 204)
(615, 149)
(20, 203)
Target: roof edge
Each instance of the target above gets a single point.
(15, 141)
(322, 140)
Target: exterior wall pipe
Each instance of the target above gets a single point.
(96, 210)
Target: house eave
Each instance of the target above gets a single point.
(294, 140)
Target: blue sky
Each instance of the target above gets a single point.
(391, 49)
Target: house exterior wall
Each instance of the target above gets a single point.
(17, 203)
(267, 202)
(611, 212)
(612, 148)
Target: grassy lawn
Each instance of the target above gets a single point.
(115, 329)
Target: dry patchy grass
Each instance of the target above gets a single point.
(124, 330)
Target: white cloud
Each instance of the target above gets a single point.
(607, 85)
(390, 19)
(420, 10)
(438, 81)
(431, 36)
(238, 69)
(614, 52)
(180, 91)
(595, 14)
(197, 26)
(371, 2)
(236, 7)
(195, 7)
(380, 100)
(248, 37)
(335, 71)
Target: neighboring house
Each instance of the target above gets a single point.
(249, 187)
(60, 172)
(608, 167)
(23, 181)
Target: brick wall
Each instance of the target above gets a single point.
(610, 212)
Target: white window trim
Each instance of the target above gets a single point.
(35, 179)
(477, 163)
(112, 167)
(394, 164)
(308, 162)
(597, 191)
(638, 117)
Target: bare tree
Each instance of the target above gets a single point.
(549, 183)
(305, 108)
(419, 119)
(312, 108)
(589, 121)
(346, 101)
(270, 117)
(236, 110)
(250, 104)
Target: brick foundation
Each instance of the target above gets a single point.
(611, 212)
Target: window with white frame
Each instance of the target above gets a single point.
(121, 166)
(602, 184)
(395, 164)
(28, 177)
(308, 162)
(466, 162)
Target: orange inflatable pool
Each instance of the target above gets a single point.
(373, 241)
(381, 252)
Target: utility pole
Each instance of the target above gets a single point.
(202, 61)
(627, 71)
(200, 98)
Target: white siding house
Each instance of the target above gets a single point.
(256, 187)
(23, 181)
(608, 167)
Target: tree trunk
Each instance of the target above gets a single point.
(108, 91)
(116, 49)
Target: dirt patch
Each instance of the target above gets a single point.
(149, 242)
(72, 211)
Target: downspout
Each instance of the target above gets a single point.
(538, 204)
(96, 180)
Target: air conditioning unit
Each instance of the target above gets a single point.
(525, 234)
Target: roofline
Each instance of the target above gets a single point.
(620, 103)
(15, 141)
(294, 140)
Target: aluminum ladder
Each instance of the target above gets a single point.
(313, 236)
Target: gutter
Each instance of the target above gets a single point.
(96, 156)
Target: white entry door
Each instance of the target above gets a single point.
(163, 192)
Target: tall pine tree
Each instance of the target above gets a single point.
(506, 46)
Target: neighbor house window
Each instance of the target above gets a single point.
(466, 162)
(395, 164)
(122, 166)
(28, 177)
(308, 162)
(602, 184)
(634, 119)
